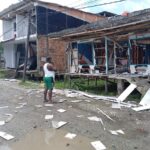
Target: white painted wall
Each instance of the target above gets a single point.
(9, 55)
(21, 26)
(8, 30)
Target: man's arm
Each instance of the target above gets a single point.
(50, 67)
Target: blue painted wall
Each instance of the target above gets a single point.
(85, 49)
(57, 21)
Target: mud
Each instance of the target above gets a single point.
(32, 131)
(50, 139)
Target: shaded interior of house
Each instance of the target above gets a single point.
(122, 57)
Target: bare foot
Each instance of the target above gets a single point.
(45, 101)
(50, 102)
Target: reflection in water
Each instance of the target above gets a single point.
(5, 147)
(49, 135)
(50, 139)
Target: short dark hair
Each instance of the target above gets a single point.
(48, 59)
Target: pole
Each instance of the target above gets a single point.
(27, 46)
(106, 56)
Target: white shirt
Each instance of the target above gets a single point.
(47, 72)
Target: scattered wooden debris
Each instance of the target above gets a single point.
(2, 107)
(10, 117)
(48, 105)
(6, 136)
(116, 132)
(105, 114)
(2, 123)
(98, 145)
(126, 92)
(61, 110)
(58, 124)
(146, 99)
(140, 108)
(48, 117)
(70, 136)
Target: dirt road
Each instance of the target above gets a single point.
(24, 113)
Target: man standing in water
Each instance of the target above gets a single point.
(49, 77)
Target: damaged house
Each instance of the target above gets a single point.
(117, 48)
(45, 18)
(113, 45)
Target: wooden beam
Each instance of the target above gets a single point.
(27, 47)
(106, 55)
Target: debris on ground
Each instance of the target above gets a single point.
(58, 124)
(2, 107)
(6, 136)
(98, 145)
(61, 110)
(99, 110)
(38, 106)
(48, 105)
(140, 108)
(48, 117)
(10, 117)
(70, 136)
(126, 92)
(94, 118)
(2, 123)
(76, 101)
(146, 99)
(61, 100)
(116, 132)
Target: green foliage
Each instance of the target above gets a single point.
(1, 48)
(82, 84)
(30, 84)
(2, 73)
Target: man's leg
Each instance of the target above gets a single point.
(50, 95)
(45, 95)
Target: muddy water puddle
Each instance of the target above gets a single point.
(50, 139)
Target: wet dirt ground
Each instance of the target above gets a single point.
(31, 131)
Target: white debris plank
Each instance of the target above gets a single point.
(2, 107)
(98, 145)
(48, 105)
(140, 108)
(2, 123)
(113, 132)
(61, 100)
(146, 99)
(126, 92)
(94, 118)
(116, 105)
(105, 114)
(10, 117)
(38, 106)
(70, 136)
(61, 110)
(48, 117)
(58, 124)
(6, 136)
(76, 101)
(120, 131)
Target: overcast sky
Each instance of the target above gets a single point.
(118, 8)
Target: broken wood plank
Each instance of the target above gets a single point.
(126, 92)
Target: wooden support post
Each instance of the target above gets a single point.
(106, 85)
(69, 81)
(88, 81)
(115, 57)
(106, 55)
(96, 81)
(120, 86)
(47, 43)
(27, 47)
(129, 53)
